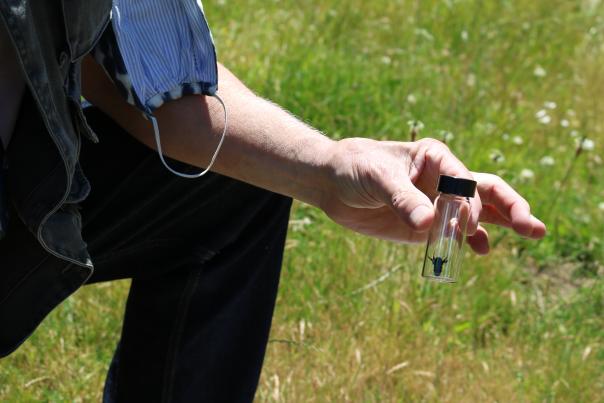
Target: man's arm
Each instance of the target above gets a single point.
(265, 145)
(382, 189)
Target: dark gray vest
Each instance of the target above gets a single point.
(44, 180)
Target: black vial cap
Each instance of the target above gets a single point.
(456, 186)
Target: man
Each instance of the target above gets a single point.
(204, 255)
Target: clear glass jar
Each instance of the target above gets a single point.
(444, 253)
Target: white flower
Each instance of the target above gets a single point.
(547, 161)
(550, 105)
(601, 206)
(564, 123)
(464, 35)
(386, 60)
(526, 174)
(539, 71)
(505, 136)
(471, 80)
(446, 136)
(497, 156)
(543, 117)
(517, 140)
(574, 133)
(411, 99)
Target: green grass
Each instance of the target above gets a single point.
(524, 324)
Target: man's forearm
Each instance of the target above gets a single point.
(265, 145)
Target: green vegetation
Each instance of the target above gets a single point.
(517, 83)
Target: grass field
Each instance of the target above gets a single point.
(513, 86)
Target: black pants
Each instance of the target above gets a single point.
(205, 258)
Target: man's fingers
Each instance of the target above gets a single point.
(491, 215)
(539, 229)
(475, 210)
(436, 159)
(479, 242)
(512, 207)
(410, 204)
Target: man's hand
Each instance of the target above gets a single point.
(386, 190)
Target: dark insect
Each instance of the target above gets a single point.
(438, 263)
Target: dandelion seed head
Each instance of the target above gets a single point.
(527, 174)
(543, 117)
(588, 144)
(584, 144)
(547, 161)
(446, 136)
(539, 71)
(416, 125)
(497, 156)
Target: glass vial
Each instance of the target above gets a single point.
(442, 261)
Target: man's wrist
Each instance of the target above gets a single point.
(315, 179)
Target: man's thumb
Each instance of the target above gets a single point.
(411, 205)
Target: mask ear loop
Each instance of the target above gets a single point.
(161, 154)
